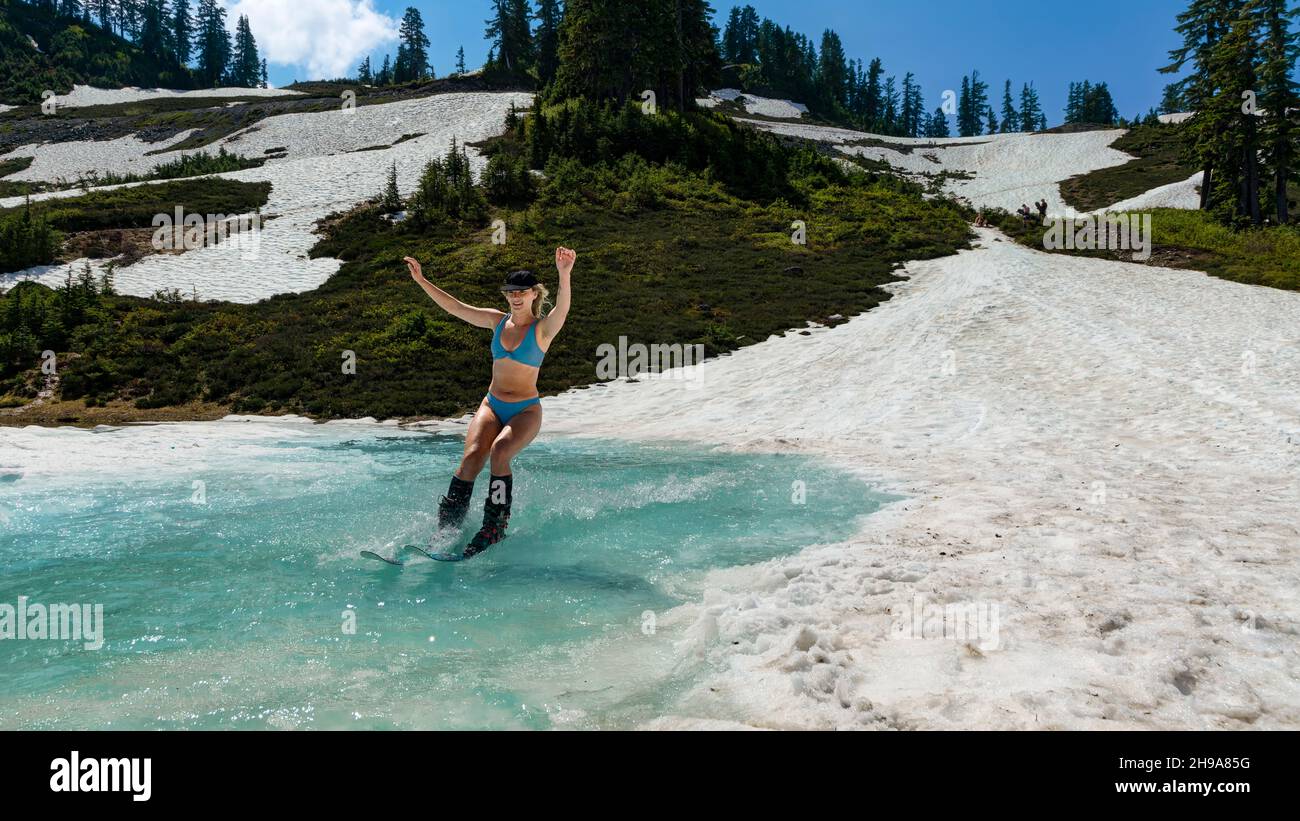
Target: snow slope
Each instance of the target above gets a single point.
(323, 172)
(84, 95)
(1183, 194)
(1006, 170)
(1107, 452)
(71, 161)
(752, 103)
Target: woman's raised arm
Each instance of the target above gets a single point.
(480, 317)
(554, 321)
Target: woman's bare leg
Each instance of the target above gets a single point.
(514, 437)
(483, 431)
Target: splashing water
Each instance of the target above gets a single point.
(234, 595)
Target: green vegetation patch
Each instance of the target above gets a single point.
(1193, 240)
(1158, 160)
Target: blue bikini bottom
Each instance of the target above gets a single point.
(506, 411)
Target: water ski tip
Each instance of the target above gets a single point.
(370, 554)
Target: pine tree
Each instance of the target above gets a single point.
(1201, 25)
(364, 74)
(871, 108)
(182, 30)
(245, 67)
(265, 83)
(460, 61)
(1031, 110)
(965, 128)
(1074, 104)
(992, 119)
(1011, 119)
(105, 11)
(391, 200)
(731, 34)
(152, 21)
(889, 118)
(614, 50)
(413, 51)
(508, 30)
(128, 16)
(386, 73)
(1279, 97)
(1226, 135)
(213, 42)
(547, 37)
(831, 71)
(979, 98)
(938, 124)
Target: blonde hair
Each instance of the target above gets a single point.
(540, 290)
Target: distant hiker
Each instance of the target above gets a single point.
(1026, 215)
(1042, 210)
(981, 221)
(510, 416)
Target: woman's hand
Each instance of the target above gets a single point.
(414, 265)
(564, 259)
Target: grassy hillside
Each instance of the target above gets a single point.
(69, 51)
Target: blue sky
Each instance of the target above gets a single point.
(1121, 42)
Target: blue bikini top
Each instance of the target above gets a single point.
(528, 353)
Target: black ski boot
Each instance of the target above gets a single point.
(453, 507)
(496, 515)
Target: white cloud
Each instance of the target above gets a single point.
(327, 37)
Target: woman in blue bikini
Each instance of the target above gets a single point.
(510, 416)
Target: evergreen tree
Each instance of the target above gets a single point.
(364, 75)
(964, 117)
(1227, 134)
(105, 11)
(1011, 119)
(615, 50)
(245, 67)
(992, 119)
(1031, 110)
(1279, 97)
(872, 94)
(972, 105)
(938, 124)
(979, 98)
(390, 201)
(831, 73)
(182, 30)
(508, 31)
(731, 37)
(889, 118)
(749, 26)
(413, 51)
(153, 18)
(913, 107)
(128, 17)
(547, 37)
(213, 43)
(1201, 25)
(460, 61)
(264, 83)
(386, 73)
